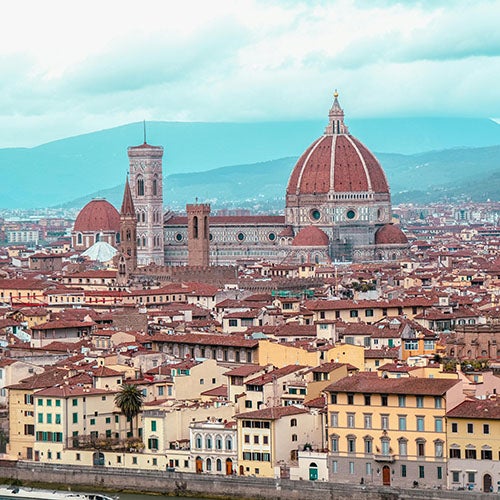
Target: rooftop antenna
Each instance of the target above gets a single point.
(144, 127)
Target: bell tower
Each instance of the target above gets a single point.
(128, 236)
(198, 216)
(146, 186)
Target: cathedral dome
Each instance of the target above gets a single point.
(337, 162)
(311, 236)
(390, 234)
(97, 215)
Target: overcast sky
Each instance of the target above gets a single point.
(69, 67)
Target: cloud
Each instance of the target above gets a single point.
(72, 67)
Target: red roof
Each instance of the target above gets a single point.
(311, 236)
(353, 169)
(390, 234)
(97, 215)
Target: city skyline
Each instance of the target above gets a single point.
(75, 68)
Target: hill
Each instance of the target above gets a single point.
(63, 170)
(454, 174)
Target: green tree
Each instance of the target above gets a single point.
(129, 400)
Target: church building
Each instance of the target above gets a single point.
(338, 208)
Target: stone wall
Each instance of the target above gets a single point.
(194, 485)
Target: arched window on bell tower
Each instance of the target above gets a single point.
(155, 186)
(140, 186)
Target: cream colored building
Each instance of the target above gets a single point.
(269, 440)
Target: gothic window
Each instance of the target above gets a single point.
(140, 186)
(155, 186)
(79, 238)
(128, 235)
(205, 227)
(118, 237)
(144, 241)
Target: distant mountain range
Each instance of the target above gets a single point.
(71, 171)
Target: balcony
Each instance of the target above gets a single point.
(382, 457)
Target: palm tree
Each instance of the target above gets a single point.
(129, 400)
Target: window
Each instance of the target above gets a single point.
(420, 401)
(411, 345)
(438, 449)
(471, 477)
(140, 186)
(368, 445)
(369, 313)
(455, 453)
(153, 425)
(384, 421)
(368, 469)
(293, 422)
(351, 444)
(438, 424)
(247, 438)
(265, 440)
(403, 471)
(420, 424)
(294, 437)
(420, 448)
(92, 421)
(334, 419)
(333, 398)
(486, 428)
(75, 402)
(439, 471)
(403, 447)
(353, 313)
(75, 418)
(368, 399)
(218, 442)
(454, 427)
(368, 420)
(334, 440)
(58, 418)
(384, 400)
(335, 466)
(486, 454)
(40, 418)
(402, 422)
(248, 404)
(256, 439)
(198, 442)
(208, 442)
(438, 402)
(350, 420)
(455, 476)
(421, 471)
(350, 399)
(470, 453)
(351, 467)
(470, 428)
(401, 401)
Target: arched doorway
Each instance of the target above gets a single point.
(229, 467)
(98, 458)
(313, 472)
(487, 483)
(242, 470)
(199, 465)
(386, 475)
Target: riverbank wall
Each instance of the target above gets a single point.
(211, 486)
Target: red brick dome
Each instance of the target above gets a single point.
(337, 163)
(311, 236)
(97, 215)
(390, 234)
